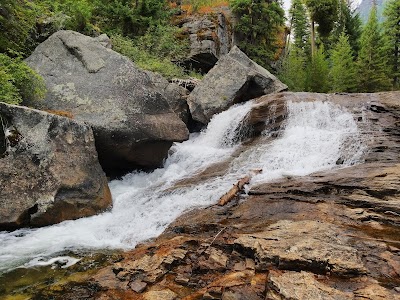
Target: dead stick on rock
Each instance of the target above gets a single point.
(236, 189)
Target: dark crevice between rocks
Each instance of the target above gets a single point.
(251, 90)
(23, 220)
(201, 63)
(193, 125)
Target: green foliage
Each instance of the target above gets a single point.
(130, 18)
(343, 71)
(77, 13)
(372, 62)
(317, 79)
(146, 60)
(323, 12)
(259, 27)
(162, 41)
(348, 22)
(391, 27)
(300, 25)
(18, 82)
(17, 23)
(292, 71)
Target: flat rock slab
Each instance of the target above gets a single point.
(303, 245)
(49, 171)
(301, 286)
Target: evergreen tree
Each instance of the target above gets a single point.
(299, 25)
(372, 62)
(392, 39)
(292, 71)
(348, 22)
(343, 70)
(324, 13)
(317, 78)
(260, 24)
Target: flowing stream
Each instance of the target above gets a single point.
(316, 135)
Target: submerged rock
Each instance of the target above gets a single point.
(234, 79)
(49, 171)
(133, 123)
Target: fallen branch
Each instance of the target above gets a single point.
(232, 193)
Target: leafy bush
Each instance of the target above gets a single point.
(18, 82)
(17, 23)
(144, 59)
(162, 41)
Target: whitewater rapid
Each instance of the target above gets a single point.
(315, 137)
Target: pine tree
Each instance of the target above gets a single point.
(372, 62)
(324, 13)
(292, 71)
(317, 78)
(300, 25)
(260, 24)
(343, 70)
(349, 22)
(392, 39)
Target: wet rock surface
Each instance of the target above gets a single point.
(133, 123)
(49, 170)
(330, 235)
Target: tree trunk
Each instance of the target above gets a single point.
(312, 38)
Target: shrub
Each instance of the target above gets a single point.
(146, 60)
(18, 82)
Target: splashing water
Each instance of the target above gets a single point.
(316, 135)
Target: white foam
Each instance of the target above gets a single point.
(316, 136)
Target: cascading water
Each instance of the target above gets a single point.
(316, 135)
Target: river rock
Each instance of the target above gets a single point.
(49, 171)
(133, 124)
(234, 79)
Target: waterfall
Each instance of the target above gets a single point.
(315, 136)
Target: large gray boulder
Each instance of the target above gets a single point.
(49, 171)
(234, 79)
(133, 124)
